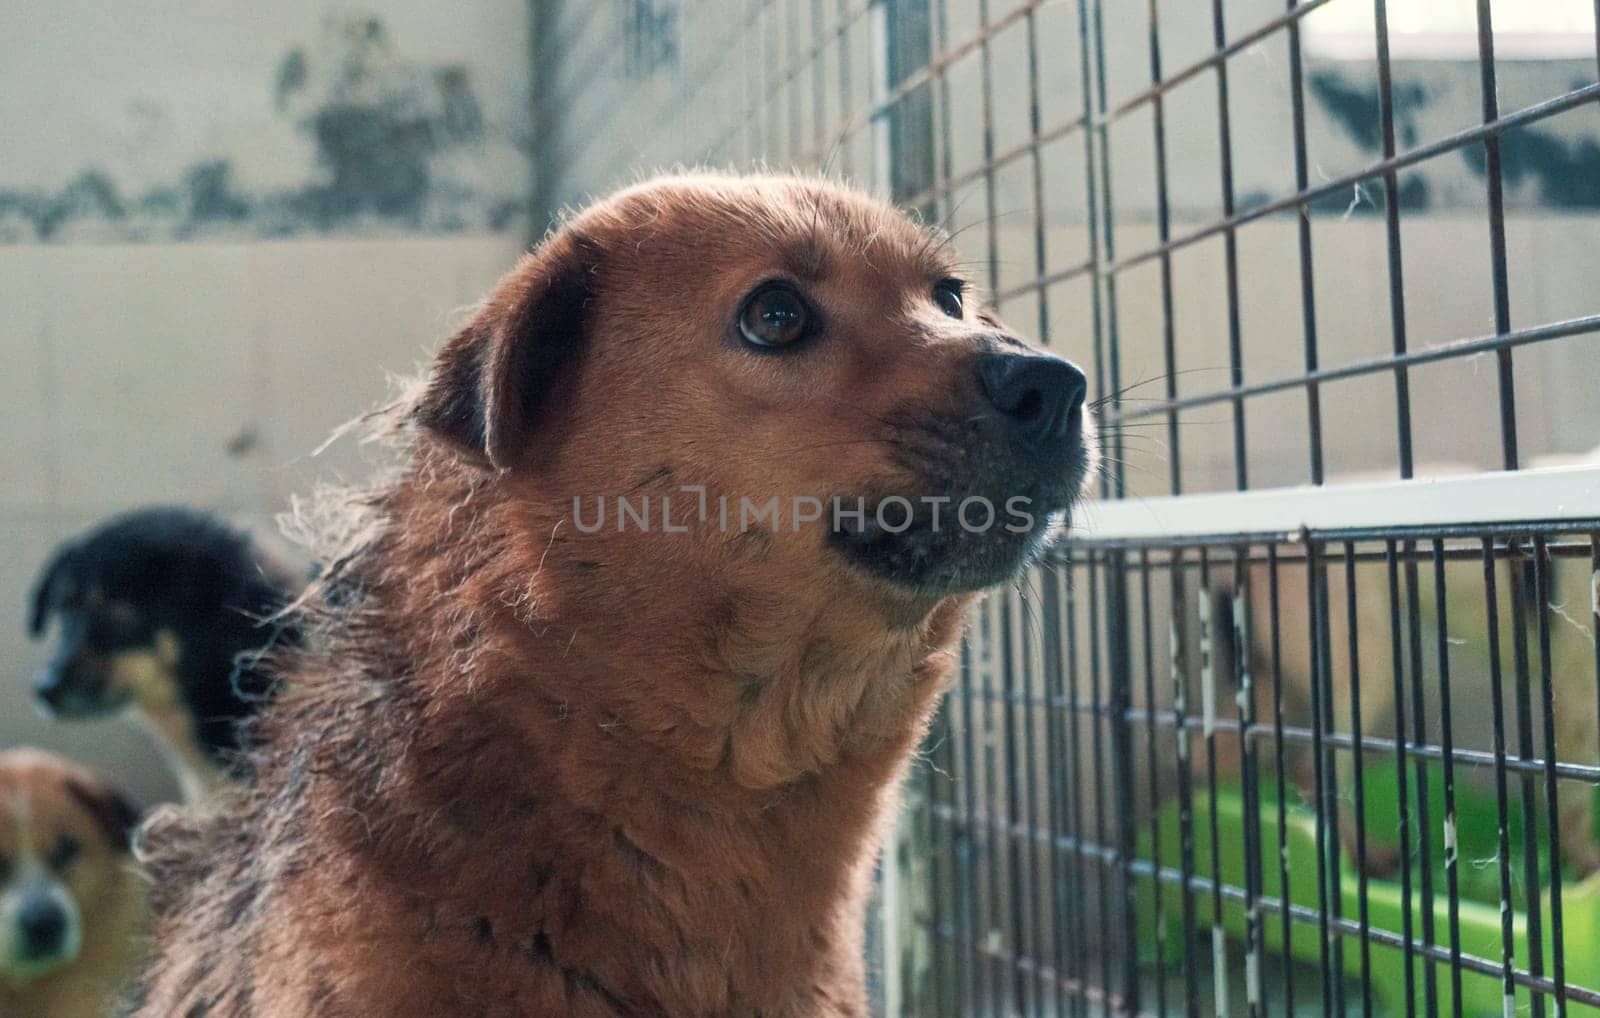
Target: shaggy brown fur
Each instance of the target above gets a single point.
(63, 831)
(524, 770)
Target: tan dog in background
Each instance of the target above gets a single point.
(71, 903)
(534, 765)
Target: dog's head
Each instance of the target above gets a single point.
(774, 364)
(64, 841)
(137, 599)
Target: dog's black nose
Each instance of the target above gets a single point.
(47, 686)
(43, 925)
(1039, 393)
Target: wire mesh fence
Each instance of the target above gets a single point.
(1128, 818)
(1223, 765)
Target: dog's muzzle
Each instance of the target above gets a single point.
(1020, 455)
(41, 930)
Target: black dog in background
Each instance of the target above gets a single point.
(169, 613)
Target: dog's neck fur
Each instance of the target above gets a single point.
(172, 729)
(669, 788)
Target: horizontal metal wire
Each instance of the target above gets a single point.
(1377, 744)
(1482, 132)
(1199, 885)
(1427, 355)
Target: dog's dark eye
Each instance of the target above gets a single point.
(947, 294)
(774, 315)
(66, 851)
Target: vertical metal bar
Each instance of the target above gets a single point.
(1079, 963)
(819, 119)
(1308, 288)
(1327, 887)
(942, 134)
(990, 193)
(1109, 352)
(1281, 763)
(1040, 258)
(1497, 237)
(1594, 599)
(880, 164)
(1230, 250)
(909, 28)
(956, 847)
(1245, 703)
(976, 857)
(1452, 857)
(1120, 702)
(1091, 209)
(1363, 912)
(1544, 588)
(1401, 773)
(1035, 128)
(993, 831)
(1153, 766)
(1594, 594)
(1208, 731)
(1097, 756)
(1397, 291)
(791, 80)
(1525, 779)
(1419, 734)
(1502, 805)
(1180, 710)
(1597, 36)
(1063, 905)
(545, 124)
(1330, 776)
(766, 62)
(1169, 350)
(846, 106)
(1033, 891)
(1015, 831)
(935, 777)
(1120, 667)
(1104, 312)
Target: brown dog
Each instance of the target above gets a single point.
(536, 765)
(70, 902)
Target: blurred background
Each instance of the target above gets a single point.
(221, 227)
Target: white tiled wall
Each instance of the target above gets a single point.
(130, 371)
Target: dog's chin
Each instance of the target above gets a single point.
(19, 972)
(19, 968)
(934, 561)
(82, 708)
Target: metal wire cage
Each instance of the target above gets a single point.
(1303, 718)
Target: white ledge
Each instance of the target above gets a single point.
(1547, 494)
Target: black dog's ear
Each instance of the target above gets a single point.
(489, 379)
(52, 588)
(112, 810)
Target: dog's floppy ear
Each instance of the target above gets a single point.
(51, 589)
(488, 381)
(109, 807)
